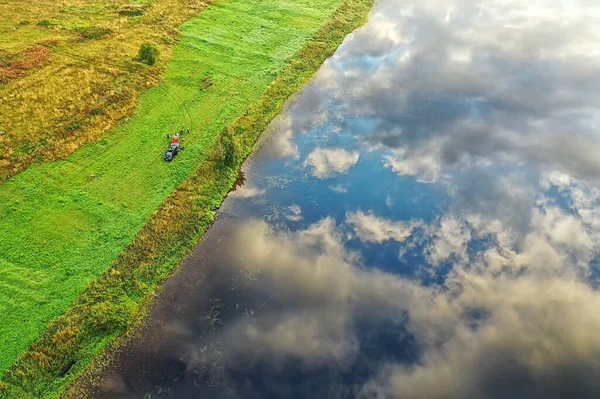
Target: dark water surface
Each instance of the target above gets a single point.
(424, 222)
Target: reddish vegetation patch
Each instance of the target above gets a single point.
(7, 72)
(28, 59)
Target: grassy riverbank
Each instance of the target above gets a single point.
(98, 199)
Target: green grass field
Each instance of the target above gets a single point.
(62, 223)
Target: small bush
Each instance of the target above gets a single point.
(130, 12)
(74, 126)
(107, 317)
(93, 32)
(227, 149)
(44, 23)
(148, 53)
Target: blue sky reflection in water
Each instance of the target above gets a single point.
(423, 223)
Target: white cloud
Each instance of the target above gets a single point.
(423, 164)
(325, 287)
(554, 178)
(446, 93)
(450, 240)
(326, 161)
(535, 339)
(479, 331)
(553, 244)
(247, 191)
(294, 214)
(371, 228)
(563, 230)
(338, 188)
(389, 202)
(282, 144)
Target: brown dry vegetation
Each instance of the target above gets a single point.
(68, 71)
(13, 67)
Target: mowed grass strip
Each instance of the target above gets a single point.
(62, 223)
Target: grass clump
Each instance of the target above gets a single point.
(106, 317)
(44, 23)
(148, 53)
(169, 206)
(206, 83)
(131, 10)
(74, 126)
(227, 151)
(93, 32)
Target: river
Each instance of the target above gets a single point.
(422, 222)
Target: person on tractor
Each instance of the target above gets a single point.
(174, 147)
(175, 139)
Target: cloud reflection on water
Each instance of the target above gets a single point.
(484, 333)
(459, 84)
(497, 101)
